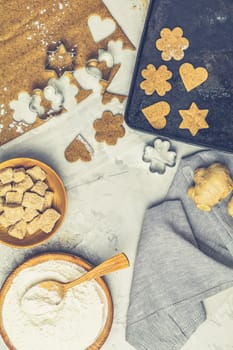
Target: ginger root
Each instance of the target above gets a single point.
(212, 185)
(230, 207)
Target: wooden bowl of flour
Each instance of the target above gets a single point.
(59, 203)
(37, 262)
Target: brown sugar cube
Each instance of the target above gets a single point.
(1, 204)
(33, 200)
(13, 213)
(40, 187)
(3, 221)
(36, 173)
(4, 189)
(14, 197)
(18, 230)
(30, 214)
(19, 175)
(34, 225)
(48, 200)
(24, 185)
(6, 175)
(48, 220)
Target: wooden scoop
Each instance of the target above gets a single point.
(117, 262)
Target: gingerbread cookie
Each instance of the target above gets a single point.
(156, 80)
(192, 77)
(156, 114)
(109, 128)
(194, 119)
(172, 44)
(79, 149)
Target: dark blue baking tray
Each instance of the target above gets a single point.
(208, 25)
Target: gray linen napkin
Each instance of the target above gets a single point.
(184, 256)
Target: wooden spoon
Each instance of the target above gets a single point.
(117, 262)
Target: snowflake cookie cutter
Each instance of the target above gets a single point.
(159, 156)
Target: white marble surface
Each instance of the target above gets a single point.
(108, 197)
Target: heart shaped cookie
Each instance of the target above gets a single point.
(192, 77)
(156, 114)
(78, 149)
(101, 28)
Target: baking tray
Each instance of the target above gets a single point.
(208, 25)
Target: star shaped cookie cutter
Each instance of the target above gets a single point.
(60, 60)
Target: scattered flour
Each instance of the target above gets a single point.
(73, 324)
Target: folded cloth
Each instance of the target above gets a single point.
(184, 256)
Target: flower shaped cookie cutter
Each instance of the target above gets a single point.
(159, 156)
(22, 111)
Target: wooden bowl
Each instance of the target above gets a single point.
(59, 203)
(68, 258)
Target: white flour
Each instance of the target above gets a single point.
(74, 324)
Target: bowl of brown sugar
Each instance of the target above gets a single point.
(33, 202)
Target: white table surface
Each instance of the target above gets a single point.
(108, 196)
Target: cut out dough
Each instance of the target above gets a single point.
(194, 119)
(109, 128)
(192, 77)
(156, 80)
(172, 44)
(156, 114)
(79, 148)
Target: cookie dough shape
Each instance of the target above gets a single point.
(156, 80)
(194, 119)
(156, 114)
(172, 44)
(109, 128)
(79, 149)
(192, 77)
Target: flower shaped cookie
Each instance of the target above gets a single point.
(156, 80)
(159, 156)
(109, 128)
(172, 44)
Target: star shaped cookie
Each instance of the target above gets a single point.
(194, 119)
